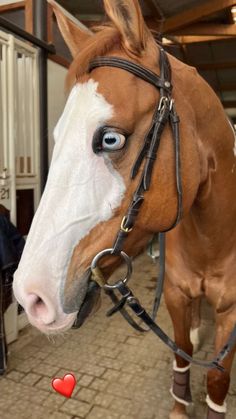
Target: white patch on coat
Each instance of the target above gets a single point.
(195, 338)
(82, 190)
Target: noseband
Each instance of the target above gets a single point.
(165, 113)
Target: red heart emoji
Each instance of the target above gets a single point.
(65, 385)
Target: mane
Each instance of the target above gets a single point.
(104, 39)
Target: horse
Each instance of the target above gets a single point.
(98, 138)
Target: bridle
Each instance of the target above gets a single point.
(165, 113)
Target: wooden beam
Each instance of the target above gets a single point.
(216, 66)
(196, 13)
(197, 39)
(207, 29)
(12, 6)
(29, 17)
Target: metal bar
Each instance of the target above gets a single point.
(40, 23)
(11, 116)
(40, 31)
(36, 90)
(6, 24)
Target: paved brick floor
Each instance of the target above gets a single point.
(120, 373)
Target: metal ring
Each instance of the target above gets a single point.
(126, 259)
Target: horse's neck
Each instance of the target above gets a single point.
(213, 214)
(208, 228)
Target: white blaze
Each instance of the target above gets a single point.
(82, 190)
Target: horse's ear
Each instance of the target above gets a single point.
(73, 35)
(126, 15)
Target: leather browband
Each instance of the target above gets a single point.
(138, 70)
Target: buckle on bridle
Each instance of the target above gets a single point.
(97, 273)
(123, 228)
(164, 102)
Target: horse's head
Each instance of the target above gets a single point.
(89, 188)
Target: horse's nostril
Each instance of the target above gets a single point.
(38, 300)
(40, 310)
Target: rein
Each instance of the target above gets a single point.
(165, 113)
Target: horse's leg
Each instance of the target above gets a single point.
(195, 324)
(217, 381)
(179, 307)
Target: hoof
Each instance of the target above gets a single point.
(178, 412)
(195, 339)
(174, 415)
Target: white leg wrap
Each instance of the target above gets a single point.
(178, 369)
(216, 407)
(178, 399)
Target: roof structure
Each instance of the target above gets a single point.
(201, 33)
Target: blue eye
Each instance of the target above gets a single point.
(112, 141)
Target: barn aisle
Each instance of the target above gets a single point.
(120, 374)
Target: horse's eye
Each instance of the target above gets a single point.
(108, 139)
(112, 141)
